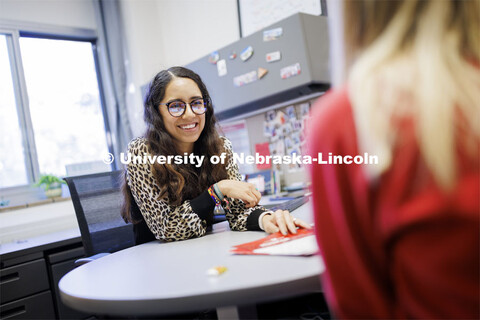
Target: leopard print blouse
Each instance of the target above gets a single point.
(191, 218)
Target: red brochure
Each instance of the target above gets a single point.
(302, 243)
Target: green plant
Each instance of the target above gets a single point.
(47, 181)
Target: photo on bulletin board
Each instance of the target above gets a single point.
(254, 15)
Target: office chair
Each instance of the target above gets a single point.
(97, 200)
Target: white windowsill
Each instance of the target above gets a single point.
(34, 204)
(21, 224)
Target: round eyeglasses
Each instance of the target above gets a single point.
(177, 108)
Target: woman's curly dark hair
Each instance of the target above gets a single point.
(177, 182)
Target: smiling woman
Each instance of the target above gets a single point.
(184, 124)
(175, 201)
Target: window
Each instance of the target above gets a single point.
(51, 106)
(12, 162)
(64, 103)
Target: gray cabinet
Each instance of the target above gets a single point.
(302, 68)
(23, 279)
(29, 281)
(60, 264)
(37, 306)
(25, 291)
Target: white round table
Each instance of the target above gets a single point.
(165, 278)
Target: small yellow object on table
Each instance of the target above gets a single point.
(216, 271)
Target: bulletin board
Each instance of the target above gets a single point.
(254, 15)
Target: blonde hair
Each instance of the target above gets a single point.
(416, 59)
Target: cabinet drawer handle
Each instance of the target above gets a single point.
(9, 277)
(12, 312)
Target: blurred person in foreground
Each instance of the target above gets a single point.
(400, 239)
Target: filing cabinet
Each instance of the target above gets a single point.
(37, 306)
(29, 281)
(23, 279)
(60, 264)
(25, 291)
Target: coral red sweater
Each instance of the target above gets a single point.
(398, 247)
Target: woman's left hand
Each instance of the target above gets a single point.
(282, 220)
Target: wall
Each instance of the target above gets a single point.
(335, 29)
(144, 53)
(69, 13)
(164, 33)
(195, 28)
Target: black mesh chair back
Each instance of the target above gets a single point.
(97, 199)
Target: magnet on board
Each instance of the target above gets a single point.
(214, 57)
(290, 71)
(261, 72)
(246, 53)
(221, 67)
(273, 56)
(245, 78)
(272, 34)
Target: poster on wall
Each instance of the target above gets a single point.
(255, 15)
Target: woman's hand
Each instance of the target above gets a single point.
(282, 220)
(240, 190)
